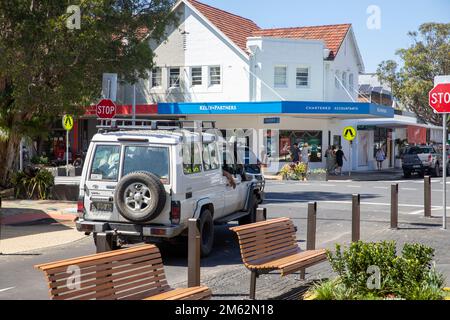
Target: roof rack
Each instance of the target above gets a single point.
(116, 124)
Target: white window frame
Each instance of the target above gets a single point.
(152, 77)
(351, 83)
(344, 79)
(170, 77)
(279, 85)
(337, 78)
(308, 79)
(192, 76)
(210, 77)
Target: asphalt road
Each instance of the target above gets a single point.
(18, 279)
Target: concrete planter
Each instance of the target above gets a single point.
(318, 177)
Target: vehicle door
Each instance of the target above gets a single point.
(101, 177)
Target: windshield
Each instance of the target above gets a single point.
(150, 159)
(417, 150)
(106, 163)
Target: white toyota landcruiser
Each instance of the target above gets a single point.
(141, 182)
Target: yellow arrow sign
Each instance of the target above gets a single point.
(349, 133)
(67, 122)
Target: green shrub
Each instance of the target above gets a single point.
(33, 185)
(39, 160)
(409, 276)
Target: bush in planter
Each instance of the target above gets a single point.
(409, 276)
(33, 184)
(293, 171)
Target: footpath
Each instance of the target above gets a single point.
(27, 225)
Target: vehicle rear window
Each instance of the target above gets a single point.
(150, 159)
(106, 163)
(419, 150)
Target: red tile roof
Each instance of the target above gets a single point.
(332, 35)
(235, 27)
(238, 29)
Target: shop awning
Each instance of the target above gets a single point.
(318, 109)
(396, 122)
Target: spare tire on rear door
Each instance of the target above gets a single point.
(140, 196)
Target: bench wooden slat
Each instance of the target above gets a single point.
(104, 270)
(281, 230)
(95, 257)
(252, 226)
(180, 293)
(114, 278)
(133, 273)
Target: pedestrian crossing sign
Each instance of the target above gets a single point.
(67, 122)
(349, 133)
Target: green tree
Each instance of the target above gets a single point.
(427, 57)
(49, 67)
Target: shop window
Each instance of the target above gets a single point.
(380, 140)
(174, 77)
(336, 79)
(196, 76)
(302, 77)
(156, 77)
(214, 76)
(312, 138)
(280, 76)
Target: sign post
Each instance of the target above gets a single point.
(67, 123)
(439, 100)
(349, 134)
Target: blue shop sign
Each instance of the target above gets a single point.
(276, 107)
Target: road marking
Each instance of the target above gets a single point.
(381, 188)
(350, 186)
(327, 185)
(410, 189)
(6, 289)
(350, 202)
(421, 211)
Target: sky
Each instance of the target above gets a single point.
(377, 43)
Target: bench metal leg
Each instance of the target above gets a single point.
(253, 277)
(302, 273)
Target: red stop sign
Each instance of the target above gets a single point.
(106, 109)
(439, 98)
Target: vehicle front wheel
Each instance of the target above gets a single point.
(406, 173)
(206, 233)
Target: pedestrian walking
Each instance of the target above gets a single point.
(305, 155)
(380, 156)
(331, 159)
(340, 157)
(295, 153)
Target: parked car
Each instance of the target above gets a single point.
(422, 160)
(144, 184)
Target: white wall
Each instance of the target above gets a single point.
(346, 60)
(272, 52)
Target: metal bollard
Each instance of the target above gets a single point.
(193, 253)
(261, 214)
(394, 206)
(310, 232)
(427, 196)
(311, 226)
(356, 213)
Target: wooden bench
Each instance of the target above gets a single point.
(271, 245)
(127, 274)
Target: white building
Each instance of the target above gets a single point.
(294, 84)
